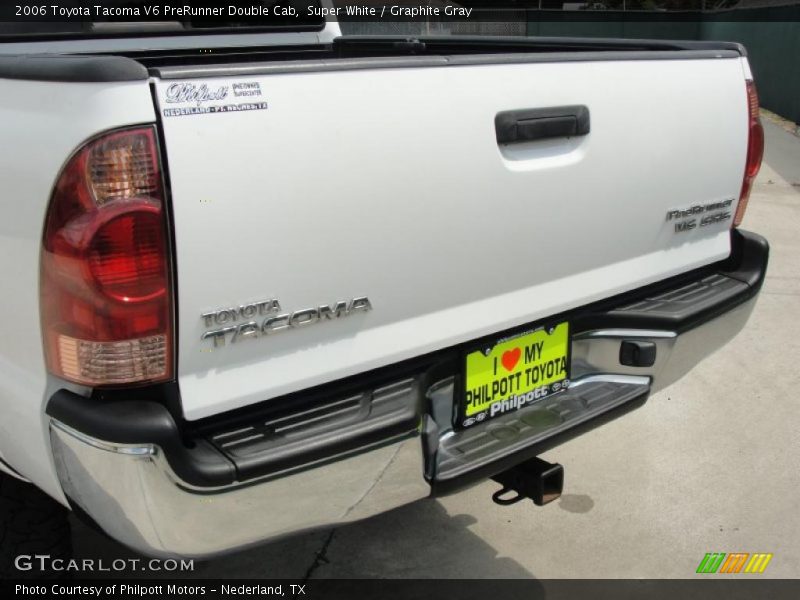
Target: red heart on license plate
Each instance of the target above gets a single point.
(511, 358)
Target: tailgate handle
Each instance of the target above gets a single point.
(515, 126)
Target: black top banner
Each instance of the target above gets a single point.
(311, 14)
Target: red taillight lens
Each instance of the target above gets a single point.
(106, 297)
(126, 256)
(755, 151)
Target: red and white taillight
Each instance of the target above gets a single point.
(106, 297)
(755, 151)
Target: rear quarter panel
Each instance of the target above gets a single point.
(41, 124)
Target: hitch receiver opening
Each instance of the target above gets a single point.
(536, 479)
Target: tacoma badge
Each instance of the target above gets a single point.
(273, 320)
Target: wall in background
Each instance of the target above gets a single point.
(774, 53)
(771, 35)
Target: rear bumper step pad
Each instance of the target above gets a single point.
(479, 452)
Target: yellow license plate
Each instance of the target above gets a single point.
(515, 372)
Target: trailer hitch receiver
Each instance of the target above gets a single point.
(536, 479)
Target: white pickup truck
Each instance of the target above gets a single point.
(260, 283)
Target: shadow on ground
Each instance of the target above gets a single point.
(418, 541)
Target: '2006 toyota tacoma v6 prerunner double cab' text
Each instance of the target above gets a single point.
(305, 278)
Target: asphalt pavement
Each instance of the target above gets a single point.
(708, 465)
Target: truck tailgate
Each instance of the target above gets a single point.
(316, 187)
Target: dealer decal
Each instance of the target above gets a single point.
(203, 99)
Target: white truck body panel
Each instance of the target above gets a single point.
(389, 183)
(41, 128)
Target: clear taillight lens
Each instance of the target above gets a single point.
(755, 151)
(106, 296)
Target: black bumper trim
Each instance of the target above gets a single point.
(143, 422)
(746, 265)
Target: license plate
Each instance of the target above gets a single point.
(513, 373)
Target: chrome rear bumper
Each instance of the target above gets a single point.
(597, 351)
(134, 495)
(150, 490)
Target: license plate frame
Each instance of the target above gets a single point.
(497, 353)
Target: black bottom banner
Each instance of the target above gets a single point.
(413, 589)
